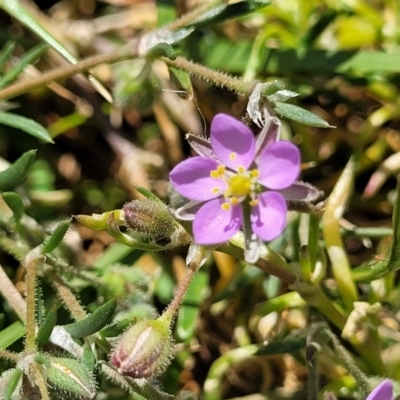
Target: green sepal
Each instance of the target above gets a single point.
(17, 171)
(117, 328)
(47, 326)
(57, 236)
(14, 201)
(69, 375)
(89, 359)
(300, 115)
(182, 82)
(9, 383)
(94, 322)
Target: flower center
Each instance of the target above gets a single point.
(239, 185)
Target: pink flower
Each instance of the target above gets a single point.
(384, 391)
(239, 183)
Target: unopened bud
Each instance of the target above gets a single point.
(145, 349)
(150, 219)
(70, 376)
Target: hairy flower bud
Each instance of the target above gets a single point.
(150, 219)
(145, 349)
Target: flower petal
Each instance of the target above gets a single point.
(279, 165)
(232, 141)
(213, 225)
(268, 218)
(384, 391)
(191, 178)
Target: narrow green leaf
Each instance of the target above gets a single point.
(46, 328)
(5, 54)
(300, 115)
(94, 322)
(394, 258)
(14, 380)
(11, 334)
(17, 171)
(181, 81)
(28, 58)
(57, 236)
(27, 125)
(283, 346)
(15, 203)
(223, 12)
(161, 50)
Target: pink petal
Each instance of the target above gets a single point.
(229, 136)
(191, 178)
(213, 225)
(279, 165)
(384, 391)
(268, 218)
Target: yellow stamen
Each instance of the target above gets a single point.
(254, 202)
(232, 156)
(234, 201)
(255, 173)
(241, 169)
(226, 206)
(215, 190)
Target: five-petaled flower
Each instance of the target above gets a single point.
(240, 183)
(384, 391)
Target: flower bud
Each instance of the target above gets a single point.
(145, 349)
(150, 219)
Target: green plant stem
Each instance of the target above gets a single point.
(217, 78)
(32, 259)
(11, 294)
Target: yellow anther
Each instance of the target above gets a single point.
(255, 173)
(215, 190)
(241, 169)
(221, 169)
(253, 202)
(232, 156)
(234, 201)
(226, 206)
(214, 174)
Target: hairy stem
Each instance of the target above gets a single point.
(218, 78)
(68, 298)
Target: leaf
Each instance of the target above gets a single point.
(14, 201)
(300, 115)
(27, 125)
(17, 171)
(94, 322)
(11, 334)
(57, 236)
(28, 58)
(46, 328)
(6, 52)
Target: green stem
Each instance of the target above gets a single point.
(217, 78)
